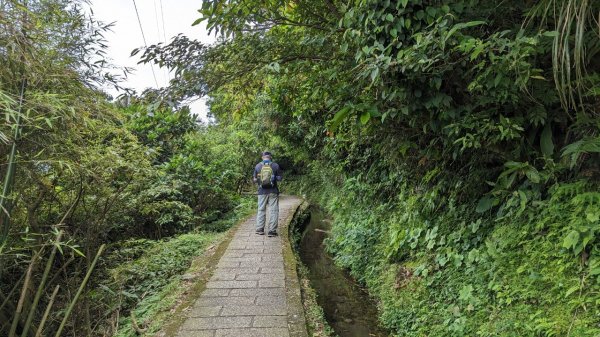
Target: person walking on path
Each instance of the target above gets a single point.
(266, 174)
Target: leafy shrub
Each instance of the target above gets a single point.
(143, 275)
(159, 262)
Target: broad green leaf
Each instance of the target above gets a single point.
(466, 293)
(198, 21)
(365, 117)
(339, 117)
(533, 175)
(431, 11)
(374, 74)
(373, 111)
(571, 240)
(572, 290)
(497, 79)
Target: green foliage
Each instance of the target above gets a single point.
(462, 179)
(447, 271)
(244, 207)
(158, 263)
(145, 274)
(102, 172)
(160, 129)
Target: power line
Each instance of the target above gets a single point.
(156, 19)
(162, 16)
(144, 38)
(158, 35)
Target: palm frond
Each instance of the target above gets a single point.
(577, 33)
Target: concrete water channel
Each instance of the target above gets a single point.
(347, 307)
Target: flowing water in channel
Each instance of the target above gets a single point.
(348, 309)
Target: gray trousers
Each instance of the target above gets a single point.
(272, 201)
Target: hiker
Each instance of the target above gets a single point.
(266, 174)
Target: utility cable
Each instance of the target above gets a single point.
(144, 38)
(158, 33)
(162, 17)
(156, 19)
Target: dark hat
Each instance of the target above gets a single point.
(266, 153)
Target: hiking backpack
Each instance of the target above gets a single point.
(266, 176)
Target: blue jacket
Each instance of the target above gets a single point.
(278, 176)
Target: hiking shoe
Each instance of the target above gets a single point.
(272, 234)
(260, 232)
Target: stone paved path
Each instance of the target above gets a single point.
(246, 296)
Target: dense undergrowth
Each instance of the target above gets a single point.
(145, 276)
(449, 271)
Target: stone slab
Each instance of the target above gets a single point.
(231, 284)
(211, 323)
(219, 301)
(270, 322)
(253, 332)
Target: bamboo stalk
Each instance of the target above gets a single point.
(41, 286)
(40, 328)
(79, 291)
(13, 327)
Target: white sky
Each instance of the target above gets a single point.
(126, 35)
